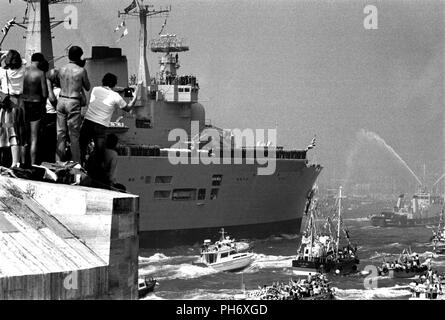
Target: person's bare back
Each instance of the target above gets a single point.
(72, 80)
(34, 85)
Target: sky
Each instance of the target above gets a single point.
(307, 67)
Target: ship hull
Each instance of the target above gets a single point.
(246, 204)
(344, 267)
(171, 238)
(403, 222)
(235, 264)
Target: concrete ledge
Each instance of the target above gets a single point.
(90, 236)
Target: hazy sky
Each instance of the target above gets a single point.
(309, 66)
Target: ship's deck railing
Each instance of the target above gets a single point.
(156, 151)
(185, 80)
(168, 43)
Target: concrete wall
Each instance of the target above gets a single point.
(102, 221)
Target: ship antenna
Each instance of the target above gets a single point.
(138, 9)
(339, 219)
(222, 233)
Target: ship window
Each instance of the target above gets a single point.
(143, 123)
(184, 194)
(224, 255)
(163, 179)
(147, 179)
(201, 194)
(214, 194)
(216, 179)
(162, 194)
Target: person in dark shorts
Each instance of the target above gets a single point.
(35, 93)
(73, 80)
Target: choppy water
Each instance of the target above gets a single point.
(180, 279)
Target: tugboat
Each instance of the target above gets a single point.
(225, 254)
(408, 265)
(320, 253)
(424, 210)
(145, 286)
(438, 238)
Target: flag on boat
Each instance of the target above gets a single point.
(123, 35)
(311, 145)
(130, 7)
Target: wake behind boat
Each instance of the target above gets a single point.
(225, 254)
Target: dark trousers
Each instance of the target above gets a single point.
(48, 138)
(5, 157)
(92, 131)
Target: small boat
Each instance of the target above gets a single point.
(408, 265)
(438, 238)
(315, 288)
(145, 286)
(320, 252)
(225, 254)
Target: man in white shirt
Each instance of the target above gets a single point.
(103, 101)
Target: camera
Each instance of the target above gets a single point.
(128, 92)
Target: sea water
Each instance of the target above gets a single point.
(179, 278)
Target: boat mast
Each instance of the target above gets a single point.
(222, 233)
(339, 219)
(142, 12)
(312, 224)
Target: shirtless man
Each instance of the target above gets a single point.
(35, 93)
(73, 79)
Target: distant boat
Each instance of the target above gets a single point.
(225, 254)
(424, 209)
(320, 253)
(408, 265)
(145, 286)
(438, 238)
(316, 288)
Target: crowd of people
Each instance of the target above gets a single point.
(313, 287)
(406, 263)
(41, 115)
(429, 285)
